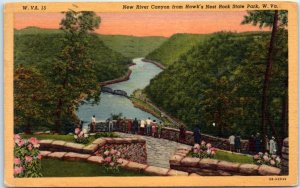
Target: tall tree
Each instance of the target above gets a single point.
(73, 73)
(267, 19)
(31, 102)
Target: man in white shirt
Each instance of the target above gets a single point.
(231, 142)
(148, 128)
(93, 124)
(142, 127)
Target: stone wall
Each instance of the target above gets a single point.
(285, 156)
(212, 167)
(221, 143)
(133, 149)
(130, 148)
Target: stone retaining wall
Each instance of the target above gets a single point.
(213, 167)
(130, 165)
(133, 149)
(221, 143)
(285, 156)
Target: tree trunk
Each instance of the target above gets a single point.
(58, 116)
(284, 113)
(28, 127)
(265, 94)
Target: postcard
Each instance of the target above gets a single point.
(134, 94)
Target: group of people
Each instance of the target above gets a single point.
(235, 143)
(256, 144)
(143, 127)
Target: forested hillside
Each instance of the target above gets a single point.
(132, 46)
(39, 47)
(220, 81)
(175, 46)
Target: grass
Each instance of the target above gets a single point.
(59, 168)
(67, 138)
(232, 157)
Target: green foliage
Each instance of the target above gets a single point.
(174, 47)
(131, 46)
(27, 158)
(233, 157)
(220, 81)
(31, 100)
(106, 134)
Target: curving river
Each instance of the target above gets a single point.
(140, 77)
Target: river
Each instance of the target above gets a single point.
(142, 73)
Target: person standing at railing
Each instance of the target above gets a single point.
(154, 128)
(197, 135)
(159, 126)
(110, 125)
(142, 127)
(182, 133)
(135, 126)
(148, 126)
(93, 123)
(129, 126)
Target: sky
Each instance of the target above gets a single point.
(148, 23)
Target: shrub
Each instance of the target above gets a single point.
(81, 136)
(204, 150)
(111, 157)
(267, 159)
(105, 134)
(27, 157)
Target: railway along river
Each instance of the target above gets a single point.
(142, 73)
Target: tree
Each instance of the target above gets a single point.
(31, 103)
(73, 72)
(272, 19)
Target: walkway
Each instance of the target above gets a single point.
(159, 151)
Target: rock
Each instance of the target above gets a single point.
(208, 163)
(45, 153)
(286, 142)
(194, 174)
(157, 170)
(228, 166)
(74, 147)
(109, 140)
(122, 162)
(57, 155)
(180, 154)
(120, 141)
(38, 133)
(177, 173)
(285, 156)
(95, 159)
(250, 169)
(190, 161)
(58, 144)
(223, 173)
(47, 132)
(268, 170)
(188, 148)
(90, 148)
(136, 166)
(99, 141)
(285, 150)
(76, 156)
(45, 144)
(175, 160)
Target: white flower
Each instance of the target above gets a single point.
(75, 136)
(86, 135)
(84, 131)
(278, 159)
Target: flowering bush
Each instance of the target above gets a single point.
(204, 150)
(267, 159)
(81, 136)
(27, 157)
(110, 159)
